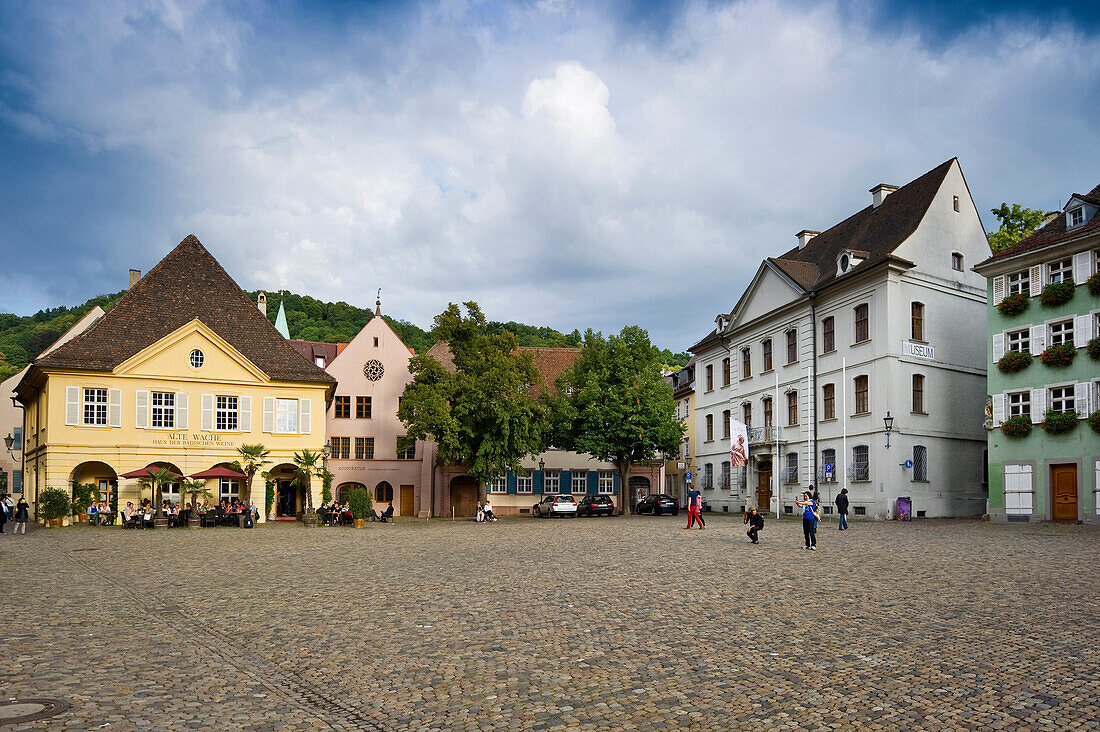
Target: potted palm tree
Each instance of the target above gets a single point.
(308, 464)
(156, 482)
(196, 489)
(252, 460)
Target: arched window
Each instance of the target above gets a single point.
(383, 492)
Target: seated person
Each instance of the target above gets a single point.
(93, 514)
(374, 515)
(388, 513)
(128, 514)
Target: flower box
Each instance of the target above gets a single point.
(1013, 304)
(1014, 361)
(1057, 293)
(1059, 356)
(1016, 427)
(1059, 423)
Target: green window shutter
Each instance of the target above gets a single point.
(536, 481)
(565, 482)
(593, 482)
(511, 482)
(615, 488)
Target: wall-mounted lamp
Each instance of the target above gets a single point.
(889, 422)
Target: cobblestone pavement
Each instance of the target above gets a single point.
(620, 623)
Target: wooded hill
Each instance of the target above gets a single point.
(22, 338)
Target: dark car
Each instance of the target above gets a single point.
(596, 506)
(658, 503)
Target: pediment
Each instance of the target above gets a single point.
(769, 290)
(171, 357)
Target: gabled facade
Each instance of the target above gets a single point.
(1035, 475)
(180, 373)
(878, 315)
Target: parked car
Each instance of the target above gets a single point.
(596, 506)
(658, 503)
(556, 505)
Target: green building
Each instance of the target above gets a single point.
(1044, 370)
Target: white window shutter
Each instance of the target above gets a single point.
(245, 414)
(269, 414)
(181, 410)
(141, 409)
(998, 289)
(206, 418)
(1081, 399)
(1038, 339)
(1038, 405)
(72, 405)
(1035, 280)
(998, 409)
(304, 406)
(998, 346)
(114, 407)
(1082, 264)
(1081, 327)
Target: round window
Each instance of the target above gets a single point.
(373, 370)
(844, 263)
(196, 358)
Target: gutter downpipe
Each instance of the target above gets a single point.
(813, 384)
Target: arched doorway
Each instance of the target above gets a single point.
(464, 490)
(638, 489)
(383, 493)
(286, 495)
(343, 489)
(99, 474)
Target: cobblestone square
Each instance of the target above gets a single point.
(620, 623)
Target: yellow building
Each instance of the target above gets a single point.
(680, 470)
(179, 374)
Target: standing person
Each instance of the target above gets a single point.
(22, 513)
(842, 508)
(3, 515)
(694, 514)
(9, 507)
(809, 519)
(756, 522)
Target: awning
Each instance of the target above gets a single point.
(148, 473)
(218, 472)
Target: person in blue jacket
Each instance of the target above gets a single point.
(809, 519)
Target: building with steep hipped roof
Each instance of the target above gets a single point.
(875, 320)
(1044, 369)
(181, 372)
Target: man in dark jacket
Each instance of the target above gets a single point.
(755, 522)
(842, 508)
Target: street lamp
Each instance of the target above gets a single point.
(542, 464)
(9, 441)
(889, 422)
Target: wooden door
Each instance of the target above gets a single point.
(464, 492)
(1063, 492)
(407, 500)
(764, 491)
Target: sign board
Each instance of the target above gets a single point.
(681, 466)
(918, 350)
(829, 472)
(689, 475)
(908, 463)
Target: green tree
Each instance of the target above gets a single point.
(482, 414)
(252, 459)
(1016, 223)
(309, 466)
(155, 481)
(614, 405)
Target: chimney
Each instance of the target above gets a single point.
(804, 237)
(135, 275)
(880, 192)
(261, 303)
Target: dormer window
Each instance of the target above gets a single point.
(1076, 217)
(320, 361)
(847, 261)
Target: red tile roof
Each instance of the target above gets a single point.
(550, 362)
(1053, 232)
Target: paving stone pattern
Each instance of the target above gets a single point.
(527, 624)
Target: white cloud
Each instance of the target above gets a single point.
(546, 162)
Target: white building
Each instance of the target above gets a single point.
(879, 315)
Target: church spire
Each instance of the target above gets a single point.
(280, 322)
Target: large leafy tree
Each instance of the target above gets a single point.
(614, 404)
(482, 414)
(1016, 223)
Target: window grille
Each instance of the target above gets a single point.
(860, 468)
(724, 480)
(708, 476)
(920, 462)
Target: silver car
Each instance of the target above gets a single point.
(556, 505)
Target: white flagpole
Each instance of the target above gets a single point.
(811, 408)
(844, 416)
(776, 462)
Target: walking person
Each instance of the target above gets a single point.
(809, 519)
(22, 513)
(755, 521)
(695, 512)
(842, 508)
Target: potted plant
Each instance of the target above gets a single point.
(54, 505)
(252, 459)
(1094, 421)
(196, 489)
(1017, 427)
(84, 495)
(308, 464)
(156, 482)
(1059, 423)
(1093, 283)
(360, 502)
(1013, 304)
(1014, 361)
(326, 485)
(1059, 356)
(1057, 293)
(269, 492)
(1093, 349)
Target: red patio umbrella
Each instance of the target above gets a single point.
(218, 472)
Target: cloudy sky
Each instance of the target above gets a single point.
(563, 163)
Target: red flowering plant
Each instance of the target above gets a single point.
(1014, 361)
(1093, 349)
(1059, 423)
(1017, 427)
(1059, 356)
(1093, 283)
(1013, 304)
(1057, 293)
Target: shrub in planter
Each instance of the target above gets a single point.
(84, 495)
(54, 504)
(1014, 361)
(1094, 421)
(1013, 304)
(359, 501)
(1093, 283)
(1057, 293)
(1093, 349)
(1059, 356)
(1017, 427)
(1059, 423)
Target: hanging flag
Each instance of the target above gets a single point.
(739, 451)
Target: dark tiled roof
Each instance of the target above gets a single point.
(187, 284)
(1054, 232)
(312, 349)
(550, 362)
(873, 232)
